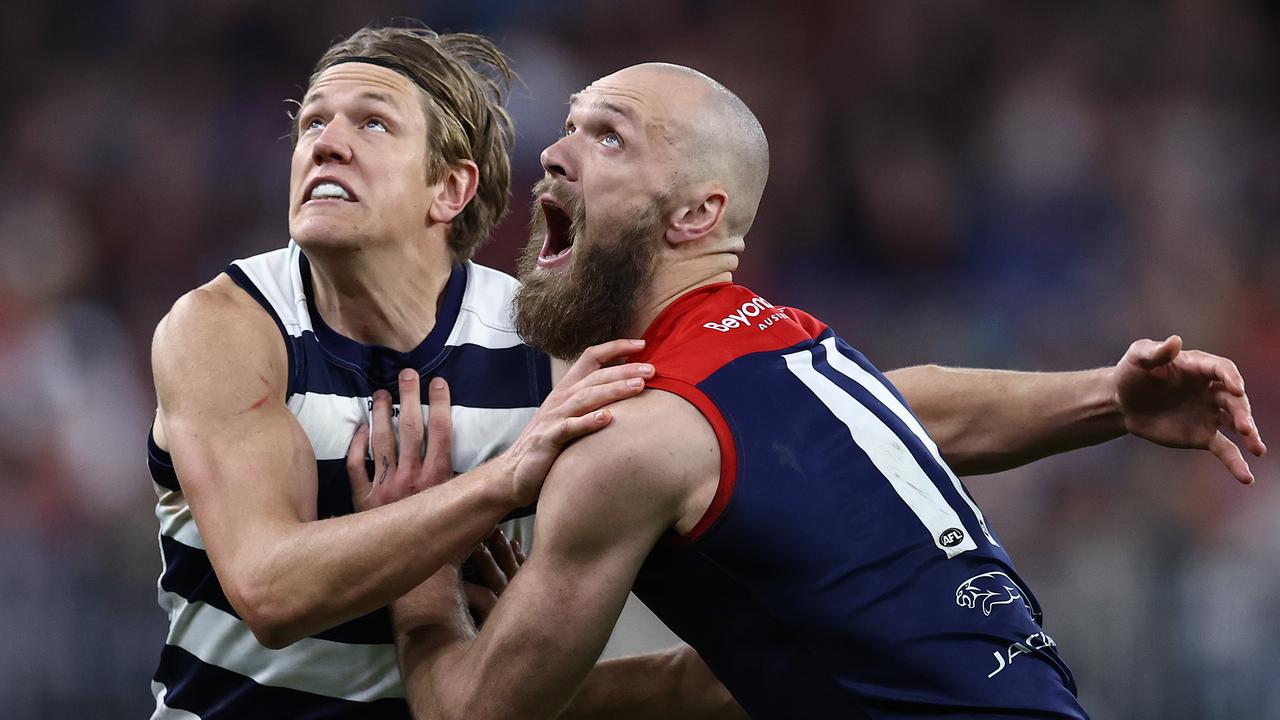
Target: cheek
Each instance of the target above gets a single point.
(298, 167)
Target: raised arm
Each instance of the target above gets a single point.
(248, 473)
(991, 420)
(607, 500)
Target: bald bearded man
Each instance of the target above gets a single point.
(770, 495)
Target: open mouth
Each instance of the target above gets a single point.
(559, 240)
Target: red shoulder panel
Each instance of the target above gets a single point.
(812, 325)
(701, 332)
(728, 453)
(711, 326)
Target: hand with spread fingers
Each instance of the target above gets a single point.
(576, 407)
(400, 467)
(486, 573)
(1185, 399)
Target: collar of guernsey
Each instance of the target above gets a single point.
(669, 319)
(382, 364)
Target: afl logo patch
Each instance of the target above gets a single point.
(951, 537)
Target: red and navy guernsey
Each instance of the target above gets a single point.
(842, 570)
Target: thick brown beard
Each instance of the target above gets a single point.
(563, 313)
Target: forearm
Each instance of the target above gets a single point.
(513, 669)
(433, 632)
(668, 685)
(310, 576)
(990, 420)
(433, 638)
(529, 661)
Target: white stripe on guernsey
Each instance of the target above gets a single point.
(482, 433)
(485, 317)
(329, 420)
(475, 329)
(478, 433)
(269, 272)
(854, 371)
(887, 452)
(361, 673)
(164, 712)
(175, 517)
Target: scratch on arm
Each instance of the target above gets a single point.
(260, 401)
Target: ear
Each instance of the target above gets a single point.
(457, 188)
(693, 222)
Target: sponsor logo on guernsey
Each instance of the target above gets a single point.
(756, 312)
(988, 590)
(1037, 642)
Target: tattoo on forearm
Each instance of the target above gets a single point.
(385, 466)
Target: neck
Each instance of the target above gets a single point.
(385, 294)
(675, 276)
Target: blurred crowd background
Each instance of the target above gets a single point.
(1015, 185)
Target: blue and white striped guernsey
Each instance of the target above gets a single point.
(211, 666)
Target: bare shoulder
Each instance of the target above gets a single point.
(218, 344)
(659, 453)
(215, 308)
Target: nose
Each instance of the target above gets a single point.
(556, 160)
(332, 145)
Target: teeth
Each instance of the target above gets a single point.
(328, 190)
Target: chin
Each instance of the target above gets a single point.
(311, 234)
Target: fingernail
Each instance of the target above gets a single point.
(437, 383)
(637, 342)
(599, 416)
(635, 383)
(408, 374)
(645, 369)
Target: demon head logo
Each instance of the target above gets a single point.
(988, 590)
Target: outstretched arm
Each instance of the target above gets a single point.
(991, 420)
(551, 623)
(248, 473)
